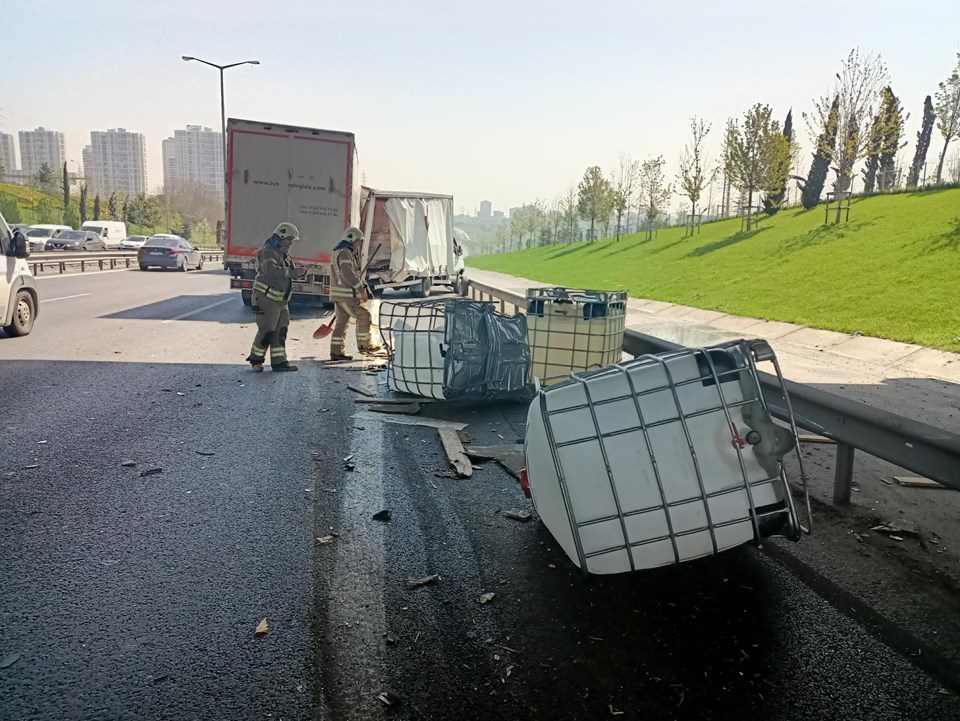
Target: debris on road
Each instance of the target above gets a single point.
(262, 628)
(486, 598)
(405, 408)
(383, 515)
(31, 466)
(455, 453)
(347, 459)
(388, 698)
(518, 514)
(916, 482)
(42, 443)
(408, 420)
(206, 453)
(426, 580)
(392, 401)
(361, 391)
(151, 471)
(9, 660)
(324, 540)
(329, 490)
(128, 464)
(508, 455)
(899, 526)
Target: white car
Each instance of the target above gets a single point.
(38, 235)
(133, 242)
(18, 289)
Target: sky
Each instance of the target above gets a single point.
(494, 100)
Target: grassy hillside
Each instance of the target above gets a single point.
(892, 271)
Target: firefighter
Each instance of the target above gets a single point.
(271, 295)
(348, 292)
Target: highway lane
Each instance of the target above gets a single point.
(129, 596)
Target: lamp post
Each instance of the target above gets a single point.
(223, 113)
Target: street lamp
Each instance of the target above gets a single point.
(223, 113)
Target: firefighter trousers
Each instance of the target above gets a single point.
(344, 311)
(273, 322)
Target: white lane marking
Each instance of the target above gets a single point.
(200, 310)
(66, 297)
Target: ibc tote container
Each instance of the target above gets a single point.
(570, 331)
(661, 459)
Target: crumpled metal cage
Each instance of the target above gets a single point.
(455, 348)
(572, 330)
(662, 459)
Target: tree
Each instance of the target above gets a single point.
(96, 207)
(112, 206)
(655, 192)
(569, 214)
(886, 131)
(66, 189)
(777, 192)
(923, 144)
(83, 203)
(857, 90)
(693, 166)
(817, 177)
(595, 198)
(948, 112)
(625, 187)
(756, 155)
(45, 179)
(527, 220)
(71, 217)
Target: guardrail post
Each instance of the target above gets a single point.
(63, 267)
(113, 263)
(843, 476)
(128, 262)
(100, 261)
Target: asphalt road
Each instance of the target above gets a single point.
(129, 596)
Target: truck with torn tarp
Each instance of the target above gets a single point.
(283, 173)
(409, 241)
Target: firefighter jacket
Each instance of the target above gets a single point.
(275, 271)
(345, 283)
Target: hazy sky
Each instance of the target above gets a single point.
(504, 101)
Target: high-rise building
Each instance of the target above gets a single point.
(41, 146)
(198, 154)
(119, 161)
(169, 164)
(486, 210)
(8, 155)
(87, 157)
(498, 214)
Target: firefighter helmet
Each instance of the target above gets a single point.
(287, 230)
(352, 235)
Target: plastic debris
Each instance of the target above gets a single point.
(262, 628)
(151, 471)
(383, 515)
(324, 540)
(388, 698)
(486, 598)
(128, 464)
(518, 514)
(426, 580)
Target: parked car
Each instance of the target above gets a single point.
(76, 240)
(133, 242)
(38, 235)
(169, 251)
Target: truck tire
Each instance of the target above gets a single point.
(462, 286)
(24, 313)
(247, 297)
(423, 289)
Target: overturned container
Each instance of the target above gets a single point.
(661, 459)
(455, 349)
(572, 330)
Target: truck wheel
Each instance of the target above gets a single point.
(422, 290)
(247, 297)
(462, 286)
(143, 267)
(24, 313)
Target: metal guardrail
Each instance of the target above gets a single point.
(918, 447)
(95, 260)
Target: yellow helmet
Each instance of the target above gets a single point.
(287, 230)
(352, 235)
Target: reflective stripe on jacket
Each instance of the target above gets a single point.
(275, 271)
(345, 280)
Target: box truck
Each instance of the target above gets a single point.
(277, 173)
(414, 233)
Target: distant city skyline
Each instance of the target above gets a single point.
(526, 97)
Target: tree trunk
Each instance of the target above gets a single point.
(943, 155)
(749, 208)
